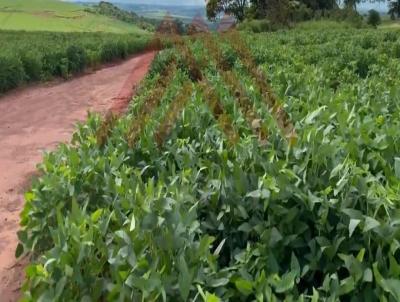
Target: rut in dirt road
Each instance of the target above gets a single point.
(36, 119)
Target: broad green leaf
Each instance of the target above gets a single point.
(315, 296)
(185, 278)
(244, 286)
(96, 215)
(286, 283)
(394, 266)
(370, 223)
(295, 265)
(347, 285)
(368, 275)
(275, 236)
(211, 298)
(352, 225)
(393, 286)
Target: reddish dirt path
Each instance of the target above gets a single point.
(38, 118)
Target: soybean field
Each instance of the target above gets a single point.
(249, 167)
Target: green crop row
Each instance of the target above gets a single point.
(35, 56)
(212, 214)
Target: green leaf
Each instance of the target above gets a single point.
(264, 194)
(123, 235)
(286, 283)
(60, 287)
(219, 282)
(96, 215)
(219, 247)
(346, 286)
(295, 265)
(204, 246)
(244, 286)
(394, 266)
(275, 236)
(370, 223)
(133, 223)
(393, 286)
(315, 296)
(397, 166)
(311, 116)
(19, 251)
(352, 225)
(360, 255)
(184, 279)
(211, 298)
(367, 275)
(29, 196)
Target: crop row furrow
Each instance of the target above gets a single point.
(277, 110)
(173, 113)
(150, 103)
(234, 85)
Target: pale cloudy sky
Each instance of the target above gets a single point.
(365, 5)
(165, 2)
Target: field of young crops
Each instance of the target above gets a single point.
(262, 174)
(35, 56)
(58, 16)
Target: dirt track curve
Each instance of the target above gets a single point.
(38, 118)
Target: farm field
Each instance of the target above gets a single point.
(54, 15)
(38, 56)
(268, 173)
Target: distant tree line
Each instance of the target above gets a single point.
(394, 9)
(286, 10)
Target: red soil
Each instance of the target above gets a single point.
(36, 119)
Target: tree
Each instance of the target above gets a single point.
(320, 4)
(352, 4)
(235, 7)
(394, 9)
(374, 18)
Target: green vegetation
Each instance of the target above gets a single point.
(55, 15)
(34, 56)
(394, 9)
(268, 15)
(374, 18)
(110, 10)
(216, 187)
(257, 26)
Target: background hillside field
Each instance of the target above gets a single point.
(42, 39)
(53, 15)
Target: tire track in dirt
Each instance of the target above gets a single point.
(38, 118)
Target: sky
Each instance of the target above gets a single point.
(362, 6)
(159, 2)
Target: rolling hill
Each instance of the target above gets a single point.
(54, 15)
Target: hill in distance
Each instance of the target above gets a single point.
(55, 15)
(156, 9)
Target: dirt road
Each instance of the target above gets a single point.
(37, 118)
